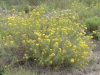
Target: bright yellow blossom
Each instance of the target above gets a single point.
(94, 32)
(11, 42)
(46, 36)
(9, 24)
(83, 57)
(73, 17)
(74, 47)
(48, 40)
(56, 44)
(72, 60)
(52, 54)
(85, 53)
(37, 44)
(43, 53)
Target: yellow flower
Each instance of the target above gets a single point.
(59, 49)
(91, 37)
(42, 8)
(38, 34)
(77, 25)
(28, 41)
(94, 32)
(73, 17)
(10, 36)
(48, 40)
(50, 62)
(39, 39)
(50, 49)
(74, 47)
(9, 24)
(11, 42)
(52, 54)
(34, 10)
(83, 57)
(38, 14)
(72, 60)
(9, 18)
(42, 53)
(56, 44)
(23, 35)
(80, 34)
(46, 36)
(23, 24)
(37, 44)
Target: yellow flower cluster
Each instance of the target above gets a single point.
(72, 60)
(11, 42)
(53, 39)
(52, 54)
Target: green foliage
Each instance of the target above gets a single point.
(90, 2)
(57, 3)
(6, 4)
(1, 71)
(97, 33)
(95, 10)
(81, 9)
(18, 4)
(20, 71)
(48, 39)
(93, 23)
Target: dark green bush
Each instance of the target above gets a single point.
(92, 23)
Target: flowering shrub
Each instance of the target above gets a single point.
(49, 40)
